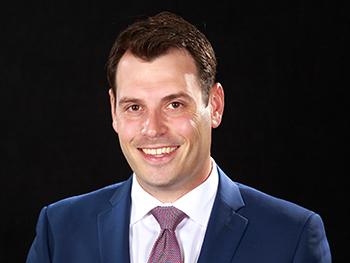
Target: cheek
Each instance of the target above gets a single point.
(181, 126)
(191, 127)
(127, 129)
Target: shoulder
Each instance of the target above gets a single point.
(285, 223)
(87, 204)
(264, 208)
(259, 206)
(253, 201)
(275, 224)
(253, 196)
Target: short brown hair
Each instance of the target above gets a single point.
(154, 36)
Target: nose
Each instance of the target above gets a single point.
(154, 125)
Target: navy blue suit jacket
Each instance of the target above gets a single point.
(245, 226)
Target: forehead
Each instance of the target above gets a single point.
(176, 68)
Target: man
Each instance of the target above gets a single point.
(164, 104)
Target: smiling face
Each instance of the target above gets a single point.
(163, 124)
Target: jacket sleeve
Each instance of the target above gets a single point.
(39, 251)
(313, 246)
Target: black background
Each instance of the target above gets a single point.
(284, 128)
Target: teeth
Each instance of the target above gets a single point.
(158, 151)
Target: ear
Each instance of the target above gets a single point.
(112, 99)
(217, 103)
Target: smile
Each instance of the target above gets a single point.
(158, 151)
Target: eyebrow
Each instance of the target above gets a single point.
(180, 94)
(125, 100)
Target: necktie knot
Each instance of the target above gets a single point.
(168, 217)
(166, 248)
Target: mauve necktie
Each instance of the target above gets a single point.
(166, 248)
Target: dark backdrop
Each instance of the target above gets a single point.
(284, 129)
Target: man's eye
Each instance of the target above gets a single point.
(175, 105)
(134, 108)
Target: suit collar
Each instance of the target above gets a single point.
(228, 192)
(226, 226)
(113, 226)
(122, 192)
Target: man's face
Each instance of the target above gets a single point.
(163, 124)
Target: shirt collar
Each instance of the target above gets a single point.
(141, 202)
(196, 204)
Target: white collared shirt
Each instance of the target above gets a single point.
(144, 229)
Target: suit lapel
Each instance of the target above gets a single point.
(226, 227)
(113, 227)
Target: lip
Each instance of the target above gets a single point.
(158, 159)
